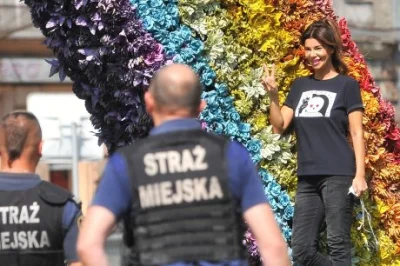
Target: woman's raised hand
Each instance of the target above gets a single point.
(268, 79)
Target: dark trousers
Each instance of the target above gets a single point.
(321, 199)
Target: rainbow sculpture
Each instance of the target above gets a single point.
(111, 49)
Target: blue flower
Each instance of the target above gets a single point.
(222, 90)
(172, 10)
(254, 146)
(288, 213)
(273, 204)
(244, 128)
(231, 129)
(284, 199)
(158, 15)
(185, 32)
(287, 232)
(187, 55)
(148, 23)
(197, 46)
(198, 67)
(161, 35)
(265, 176)
(217, 128)
(176, 38)
(155, 3)
(208, 77)
(143, 10)
(178, 58)
(170, 49)
(275, 189)
(278, 219)
(228, 102)
(170, 22)
(235, 117)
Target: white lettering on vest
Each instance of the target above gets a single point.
(174, 165)
(4, 211)
(173, 161)
(150, 164)
(157, 200)
(146, 196)
(188, 192)
(32, 241)
(24, 240)
(14, 244)
(5, 239)
(166, 192)
(200, 154)
(14, 215)
(44, 240)
(215, 189)
(181, 191)
(24, 216)
(20, 215)
(187, 161)
(162, 163)
(35, 208)
(200, 189)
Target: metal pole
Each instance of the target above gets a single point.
(75, 159)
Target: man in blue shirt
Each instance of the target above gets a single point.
(39, 221)
(179, 190)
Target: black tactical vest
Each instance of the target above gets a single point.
(182, 208)
(31, 230)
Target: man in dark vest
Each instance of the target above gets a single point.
(182, 192)
(38, 221)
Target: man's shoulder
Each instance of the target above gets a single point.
(237, 147)
(238, 156)
(54, 194)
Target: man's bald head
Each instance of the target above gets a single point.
(20, 135)
(176, 87)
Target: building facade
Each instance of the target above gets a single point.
(23, 71)
(375, 27)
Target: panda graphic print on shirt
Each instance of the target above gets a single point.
(315, 104)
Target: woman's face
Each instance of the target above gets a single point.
(317, 55)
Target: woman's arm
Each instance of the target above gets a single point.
(280, 118)
(357, 136)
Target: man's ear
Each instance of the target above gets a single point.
(149, 102)
(202, 105)
(40, 148)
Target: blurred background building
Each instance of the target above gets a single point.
(24, 72)
(375, 27)
(25, 84)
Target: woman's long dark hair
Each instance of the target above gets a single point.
(327, 32)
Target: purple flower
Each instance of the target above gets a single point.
(103, 48)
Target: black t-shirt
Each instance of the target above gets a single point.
(321, 123)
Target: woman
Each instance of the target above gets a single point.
(324, 108)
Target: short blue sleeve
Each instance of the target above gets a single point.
(114, 190)
(245, 183)
(72, 212)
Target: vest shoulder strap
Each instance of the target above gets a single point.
(54, 194)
